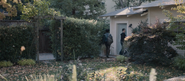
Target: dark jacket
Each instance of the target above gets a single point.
(123, 35)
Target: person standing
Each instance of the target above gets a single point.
(107, 39)
(123, 35)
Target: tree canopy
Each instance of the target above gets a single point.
(90, 9)
(128, 3)
(38, 8)
(9, 7)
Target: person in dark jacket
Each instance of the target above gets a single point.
(123, 35)
(106, 42)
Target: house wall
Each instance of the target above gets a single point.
(133, 19)
(157, 13)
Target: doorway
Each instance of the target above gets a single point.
(120, 26)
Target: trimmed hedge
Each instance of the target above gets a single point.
(81, 38)
(11, 40)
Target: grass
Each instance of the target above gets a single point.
(104, 69)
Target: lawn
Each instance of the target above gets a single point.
(89, 70)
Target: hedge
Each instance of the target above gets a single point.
(11, 40)
(81, 38)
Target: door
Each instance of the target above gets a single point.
(120, 26)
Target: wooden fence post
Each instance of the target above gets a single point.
(37, 40)
(61, 41)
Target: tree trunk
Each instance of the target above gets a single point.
(121, 2)
(73, 12)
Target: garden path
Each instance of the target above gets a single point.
(46, 56)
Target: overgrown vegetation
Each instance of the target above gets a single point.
(24, 62)
(121, 58)
(5, 63)
(179, 62)
(11, 41)
(88, 70)
(81, 38)
(180, 8)
(151, 45)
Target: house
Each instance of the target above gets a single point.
(130, 17)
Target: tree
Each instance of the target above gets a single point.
(80, 8)
(8, 6)
(39, 8)
(180, 8)
(128, 3)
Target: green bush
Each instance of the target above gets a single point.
(5, 64)
(24, 62)
(11, 40)
(81, 38)
(151, 45)
(121, 58)
(179, 62)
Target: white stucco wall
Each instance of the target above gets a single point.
(157, 13)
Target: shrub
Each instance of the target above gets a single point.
(11, 40)
(151, 45)
(81, 37)
(137, 30)
(5, 64)
(179, 62)
(121, 58)
(24, 62)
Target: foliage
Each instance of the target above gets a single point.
(129, 75)
(24, 62)
(179, 62)
(5, 63)
(129, 3)
(89, 9)
(12, 39)
(180, 8)
(39, 8)
(121, 58)
(3, 77)
(137, 29)
(44, 77)
(8, 7)
(151, 45)
(81, 37)
(86, 69)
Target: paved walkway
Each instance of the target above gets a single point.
(46, 56)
